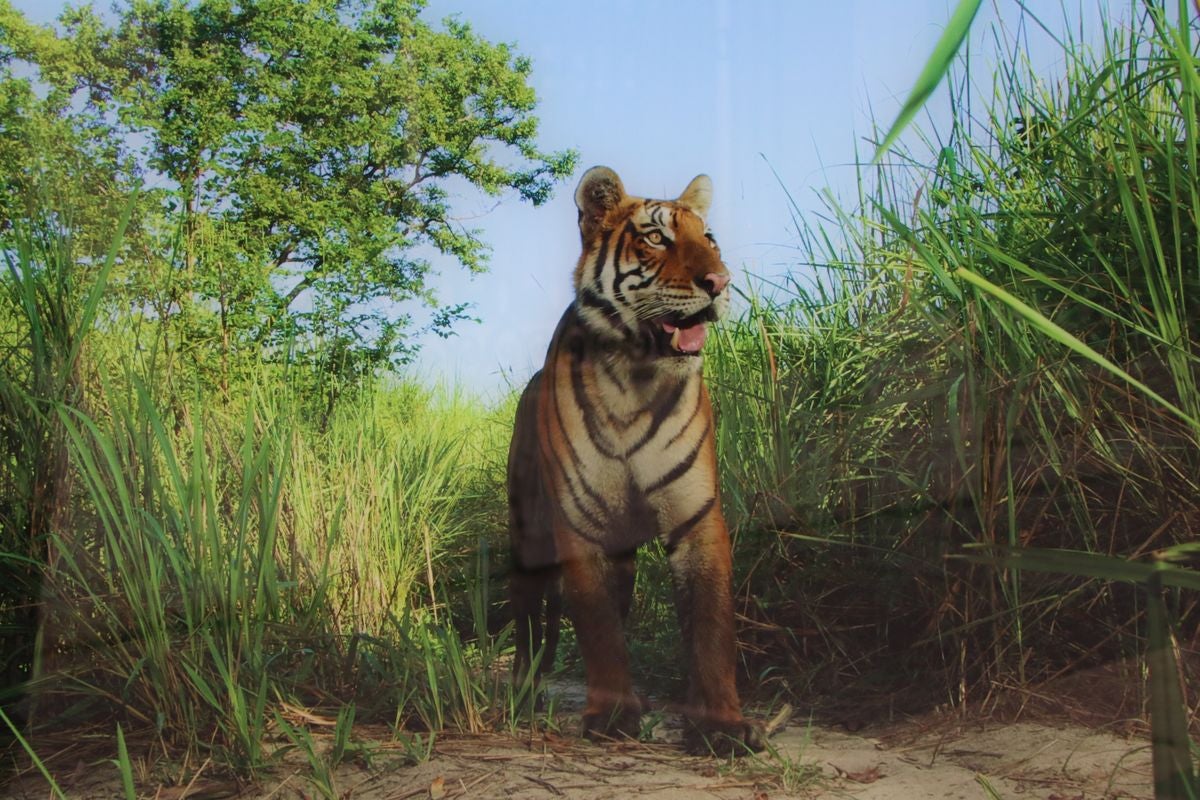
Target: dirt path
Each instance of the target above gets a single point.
(1025, 760)
(932, 757)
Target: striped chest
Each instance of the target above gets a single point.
(632, 442)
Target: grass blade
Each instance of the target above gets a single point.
(125, 766)
(1173, 775)
(33, 756)
(935, 69)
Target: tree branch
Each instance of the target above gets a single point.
(296, 291)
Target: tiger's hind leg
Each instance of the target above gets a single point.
(531, 590)
(535, 573)
(554, 611)
(625, 567)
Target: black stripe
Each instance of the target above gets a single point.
(686, 425)
(680, 469)
(617, 292)
(600, 258)
(612, 376)
(664, 406)
(618, 276)
(593, 519)
(622, 422)
(588, 410)
(650, 280)
(592, 494)
(597, 539)
(688, 524)
(574, 481)
(592, 299)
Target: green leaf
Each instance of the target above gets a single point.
(33, 756)
(125, 766)
(1172, 759)
(1091, 565)
(935, 69)
(1048, 327)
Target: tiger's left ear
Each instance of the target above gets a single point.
(697, 197)
(599, 191)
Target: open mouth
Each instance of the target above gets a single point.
(683, 336)
(686, 340)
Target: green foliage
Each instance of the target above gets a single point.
(124, 766)
(227, 562)
(209, 503)
(321, 765)
(311, 150)
(195, 561)
(47, 308)
(793, 773)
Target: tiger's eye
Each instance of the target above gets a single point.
(654, 237)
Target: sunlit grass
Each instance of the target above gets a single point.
(999, 352)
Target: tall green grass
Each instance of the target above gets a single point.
(999, 350)
(238, 558)
(193, 560)
(48, 303)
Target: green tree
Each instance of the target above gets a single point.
(53, 156)
(311, 152)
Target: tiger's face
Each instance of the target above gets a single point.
(650, 276)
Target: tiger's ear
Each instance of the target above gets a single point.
(599, 191)
(697, 197)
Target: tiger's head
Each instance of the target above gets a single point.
(650, 276)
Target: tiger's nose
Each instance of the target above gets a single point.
(714, 282)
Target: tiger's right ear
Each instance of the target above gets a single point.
(599, 191)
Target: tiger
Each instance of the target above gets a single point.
(613, 445)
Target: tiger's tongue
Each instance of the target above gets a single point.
(687, 340)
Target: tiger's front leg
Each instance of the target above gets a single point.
(702, 568)
(594, 586)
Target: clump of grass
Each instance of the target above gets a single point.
(48, 304)
(222, 566)
(999, 350)
(206, 556)
(386, 495)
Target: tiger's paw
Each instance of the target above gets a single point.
(619, 721)
(724, 739)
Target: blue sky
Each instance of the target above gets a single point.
(663, 90)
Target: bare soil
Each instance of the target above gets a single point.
(1028, 760)
(1050, 752)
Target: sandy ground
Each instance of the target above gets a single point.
(930, 757)
(1023, 760)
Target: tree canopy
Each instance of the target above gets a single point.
(299, 162)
